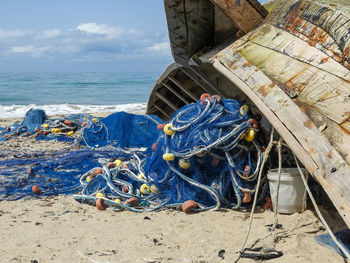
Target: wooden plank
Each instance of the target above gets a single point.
(326, 24)
(161, 110)
(183, 88)
(259, 7)
(299, 132)
(190, 26)
(175, 93)
(168, 102)
(242, 13)
(316, 87)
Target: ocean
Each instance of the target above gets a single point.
(66, 93)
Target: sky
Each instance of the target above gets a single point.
(83, 36)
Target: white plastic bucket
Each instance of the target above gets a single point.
(291, 191)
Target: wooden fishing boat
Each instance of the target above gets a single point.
(291, 63)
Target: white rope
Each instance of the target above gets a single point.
(346, 253)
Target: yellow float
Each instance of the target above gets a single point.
(141, 176)
(118, 162)
(154, 189)
(167, 129)
(145, 189)
(168, 157)
(94, 120)
(250, 135)
(244, 109)
(184, 164)
(118, 201)
(70, 133)
(100, 194)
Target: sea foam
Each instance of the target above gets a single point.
(17, 111)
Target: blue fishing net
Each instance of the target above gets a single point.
(54, 173)
(207, 153)
(122, 129)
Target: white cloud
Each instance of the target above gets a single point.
(160, 47)
(51, 33)
(5, 34)
(101, 29)
(29, 49)
(23, 49)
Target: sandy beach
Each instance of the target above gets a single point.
(59, 229)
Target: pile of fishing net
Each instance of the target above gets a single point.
(35, 123)
(58, 172)
(206, 157)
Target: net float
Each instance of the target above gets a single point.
(145, 189)
(8, 129)
(70, 133)
(37, 129)
(160, 126)
(188, 205)
(111, 165)
(36, 190)
(154, 146)
(168, 157)
(247, 197)
(167, 129)
(45, 125)
(96, 172)
(253, 123)
(100, 204)
(246, 172)
(94, 120)
(88, 178)
(118, 201)
(125, 189)
(141, 176)
(244, 109)
(184, 164)
(118, 162)
(83, 124)
(215, 97)
(250, 135)
(154, 189)
(99, 194)
(133, 201)
(203, 98)
(68, 122)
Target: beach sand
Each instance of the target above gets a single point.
(59, 229)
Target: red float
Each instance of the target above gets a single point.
(100, 204)
(188, 205)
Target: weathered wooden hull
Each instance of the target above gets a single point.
(294, 68)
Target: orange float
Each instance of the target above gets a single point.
(188, 205)
(133, 201)
(203, 98)
(111, 165)
(160, 126)
(83, 124)
(154, 146)
(96, 172)
(217, 97)
(36, 190)
(100, 204)
(126, 189)
(247, 197)
(253, 123)
(68, 122)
